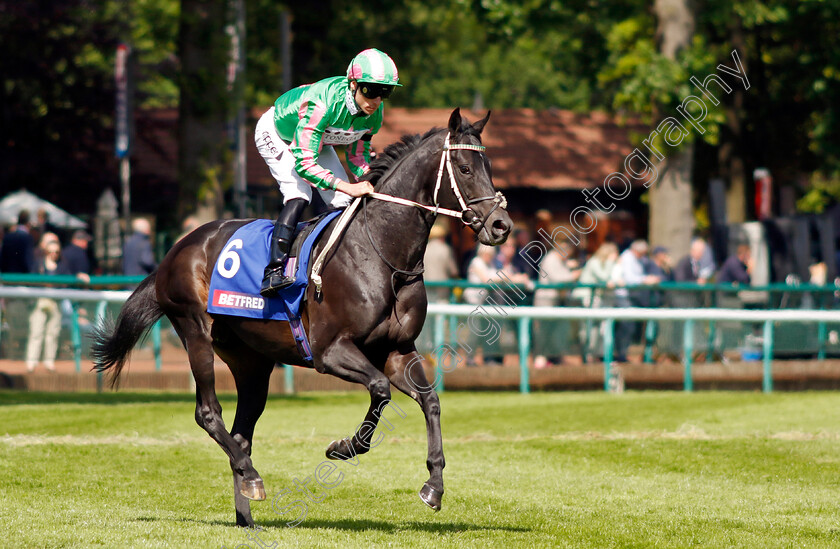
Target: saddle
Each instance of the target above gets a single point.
(235, 281)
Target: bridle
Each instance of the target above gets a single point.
(467, 215)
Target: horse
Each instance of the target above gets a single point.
(363, 323)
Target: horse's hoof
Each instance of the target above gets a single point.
(431, 497)
(253, 489)
(340, 449)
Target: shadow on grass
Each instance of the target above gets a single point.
(15, 397)
(357, 525)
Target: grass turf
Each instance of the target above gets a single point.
(541, 470)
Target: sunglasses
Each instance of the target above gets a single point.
(372, 91)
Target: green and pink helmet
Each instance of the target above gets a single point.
(375, 67)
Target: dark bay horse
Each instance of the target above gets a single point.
(361, 327)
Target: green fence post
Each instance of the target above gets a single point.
(439, 341)
(100, 318)
(710, 343)
(524, 351)
(156, 344)
(767, 385)
(589, 326)
(609, 349)
(288, 379)
(688, 350)
(76, 338)
(822, 335)
(650, 335)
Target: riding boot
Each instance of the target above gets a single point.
(281, 242)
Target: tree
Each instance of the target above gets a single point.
(671, 212)
(204, 157)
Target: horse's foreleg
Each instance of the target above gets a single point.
(405, 370)
(344, 360)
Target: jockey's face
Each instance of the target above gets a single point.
(369, 106)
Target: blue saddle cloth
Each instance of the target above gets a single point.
(235, 282)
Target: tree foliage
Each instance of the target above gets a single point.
(57, 76)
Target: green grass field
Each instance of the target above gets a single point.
(542, 470)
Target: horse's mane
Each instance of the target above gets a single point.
(388, 158)
(385, 160)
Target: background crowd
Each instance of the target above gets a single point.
(609, 276)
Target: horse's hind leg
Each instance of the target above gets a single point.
(251, 371)
(405, 370)
(195, 333)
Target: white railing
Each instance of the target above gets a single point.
(524, 315)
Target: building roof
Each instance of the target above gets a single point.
(550, 150)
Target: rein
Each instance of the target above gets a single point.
(394, 271)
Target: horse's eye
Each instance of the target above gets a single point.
(464, 168)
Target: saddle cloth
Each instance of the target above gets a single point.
(235, 282)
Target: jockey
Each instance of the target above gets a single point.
(295, 138)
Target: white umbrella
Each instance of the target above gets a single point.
(13, 203)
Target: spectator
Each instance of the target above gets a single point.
(43, 224)
(74, 257)
(505, 262)
(556, 267)
(520, 263)
(660, 266)
(695, 267)
(41, 253)
(189, 224)
(632, 272)
(138, 258)
(597, 270)
(632, 262)
(480, 271)
(505, 266)
(45, 320)
(737, 268)
(17, 253)
(439, 263)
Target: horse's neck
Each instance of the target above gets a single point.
(403, 235)
(414, 176)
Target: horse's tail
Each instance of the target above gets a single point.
(113, 341)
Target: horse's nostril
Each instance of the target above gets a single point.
(500, 226)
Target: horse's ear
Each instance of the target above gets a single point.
(455, 122)
(479, 126)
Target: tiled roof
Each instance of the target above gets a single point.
(549, 150)
(544, 149)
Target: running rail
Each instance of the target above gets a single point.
(523, 315)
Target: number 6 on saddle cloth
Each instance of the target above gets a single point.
(236, 278)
